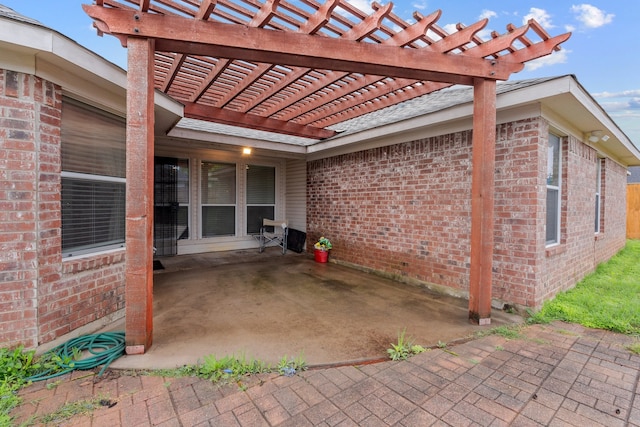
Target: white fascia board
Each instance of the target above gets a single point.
(509, 108)
(19, 61)
(232, 140)
(417, 127)
(25, 36)
(534, 93)
(43, 52)
(608, 125)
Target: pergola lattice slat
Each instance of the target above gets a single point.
(358, 48)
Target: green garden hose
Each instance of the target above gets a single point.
(104, 349)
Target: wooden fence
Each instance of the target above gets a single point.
(633, 211)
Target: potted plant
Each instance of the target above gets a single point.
(321, 249)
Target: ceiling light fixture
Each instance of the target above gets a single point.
(246, 151)
(597, 135)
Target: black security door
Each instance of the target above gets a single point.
(165, 224)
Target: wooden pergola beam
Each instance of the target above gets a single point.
(482, 200)
(139, 194)
(252, 121)
(216, 39)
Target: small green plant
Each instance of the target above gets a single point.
(8, 400)
(16, 366)
(229, 368)
(404, 348)
(442, 344)
(53, 385)
(17, 363)
(634, 348)
(499, 348)
(289, 367)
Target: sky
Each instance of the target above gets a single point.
(600, 52)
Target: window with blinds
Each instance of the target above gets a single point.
(218, 199)
(93, 179)
(261, 196)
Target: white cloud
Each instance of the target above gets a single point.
(540, 15)
(422, 5)
(590, 16)
(559, 57)
(486, 13)
(569, 28)
(623, 94)
(363, 5)
(450, 28)
(622, 108)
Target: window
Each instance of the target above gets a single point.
(218, 192)
(554, 168)
(598, 191)
(93, 179)
(261, 196)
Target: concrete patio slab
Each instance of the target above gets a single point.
(266, 306)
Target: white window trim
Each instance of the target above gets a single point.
(559, 189)
(598, 206)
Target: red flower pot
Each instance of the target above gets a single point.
(320, 256)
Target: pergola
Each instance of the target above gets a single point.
(299, 67)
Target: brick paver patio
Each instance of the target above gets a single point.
(559, 374)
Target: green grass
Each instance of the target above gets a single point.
(70, 410)
(607, 299)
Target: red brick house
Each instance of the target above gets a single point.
(391, 189)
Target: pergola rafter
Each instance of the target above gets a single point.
(195, 71)
(299, 67)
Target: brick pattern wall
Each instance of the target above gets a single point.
(23, 99)
(581, 250)
(404, 210)
(519, 220)
(401, 209)
(614, 211)
(89, 289)
(41, 296)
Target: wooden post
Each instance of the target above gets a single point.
(139, 217)
(482, 197)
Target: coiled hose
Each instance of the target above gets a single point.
(104, 349)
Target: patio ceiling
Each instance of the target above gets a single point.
(302, 67)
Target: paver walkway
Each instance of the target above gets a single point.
(559, 374)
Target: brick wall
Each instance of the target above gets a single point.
(19, 222)
(614, 211)
(90, 288)
(404, 210)
(401, 209)
(41, 296)
(519, 219)
(580, 249)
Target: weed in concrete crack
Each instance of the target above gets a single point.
(404, 348)
(289, 367)
(634, 348)
(79, 407)
(229, 367)
(510, 332)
